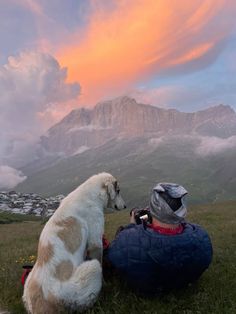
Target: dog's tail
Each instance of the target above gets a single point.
(82, 289)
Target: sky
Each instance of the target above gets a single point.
(59, 55)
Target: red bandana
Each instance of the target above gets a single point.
(167, 231)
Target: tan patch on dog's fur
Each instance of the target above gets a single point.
(64, 270)
(41, 305)
(70, 233)
(45, 253)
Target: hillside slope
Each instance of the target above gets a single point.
(139, 164)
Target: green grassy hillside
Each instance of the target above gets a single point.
(7, 218)
(215, 292)
(139, 165)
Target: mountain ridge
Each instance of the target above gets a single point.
(124, 117)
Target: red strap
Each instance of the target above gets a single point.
(167, 231)
(105, 242)
(25, 275)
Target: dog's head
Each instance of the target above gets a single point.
(115, 200)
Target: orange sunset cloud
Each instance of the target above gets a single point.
(138, 39)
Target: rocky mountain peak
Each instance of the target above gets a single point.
(119, 114)
(77, 116)
(217, 111)
(117, 102)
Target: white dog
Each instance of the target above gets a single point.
(61, 277)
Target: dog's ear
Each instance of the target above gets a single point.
(110, 189)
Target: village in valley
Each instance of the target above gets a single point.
(29, 203)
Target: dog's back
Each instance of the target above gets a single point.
(60, 275)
